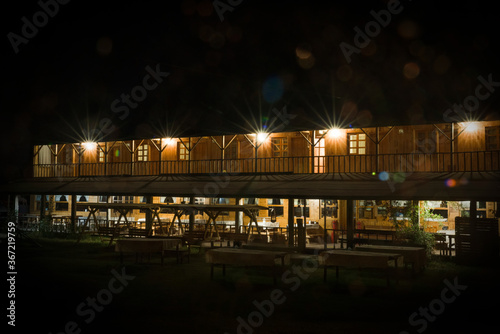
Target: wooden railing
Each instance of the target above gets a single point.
(410, 162)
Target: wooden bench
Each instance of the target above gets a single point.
(193, 239)
(361, 260)
(237, 238)
(138, 233)
(110, 232)
(245, 257)
(152, 245)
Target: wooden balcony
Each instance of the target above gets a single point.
(477, 161)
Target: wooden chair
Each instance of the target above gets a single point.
(441, 244)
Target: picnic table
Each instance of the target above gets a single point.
(148, 246)
(359, 259)
(412, 255)
(245, 257)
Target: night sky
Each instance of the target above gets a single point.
(277, 65)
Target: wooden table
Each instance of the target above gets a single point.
(412, 255)
(244, 257)
(147, 245)
(359, 259)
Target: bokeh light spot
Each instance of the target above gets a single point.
(383, 176)
(450, 183)
(411, 70)
(408, 29)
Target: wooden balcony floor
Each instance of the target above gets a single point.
(418, 186)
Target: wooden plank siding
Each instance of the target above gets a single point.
(424, 148)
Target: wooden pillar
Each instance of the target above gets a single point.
(42, 206)
(73, 213)
(149, 214)
(237, 216)
(325, 234)
(377, 148)
(291, 220)
(350, 223)
(105, 158)
(301, 229)
(312, 151)
(191, 215)
(189, 155)
(256, 156)
(473, 211)
(452, 148)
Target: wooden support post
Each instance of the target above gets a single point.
(325, 234)
(191, 215)
(473, 211)
(256, 158)
(377, 146)
(350, 223)
(452, 148)
(291, 221)
(237, 216)
(73, 214)
(43, 202)
(312, 151)
(149, 215)
(301, 234)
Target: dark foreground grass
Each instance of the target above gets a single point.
(57, 283)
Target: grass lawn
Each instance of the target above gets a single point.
(74, 286)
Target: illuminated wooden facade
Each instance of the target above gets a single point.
(424, 148)
(471, 147)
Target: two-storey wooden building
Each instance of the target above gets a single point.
(334, 177)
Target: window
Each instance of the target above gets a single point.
(492, 139)
(62, 203)
(168, 200)
(278, 209)
(251, 200)
(319, 153)
(143, 152)
(274, 201)
(101, 155)
(123, 199)
(331, 211)
(280, 146)
(44, 155)
(218, 200)
(182, 151)
(357, 143)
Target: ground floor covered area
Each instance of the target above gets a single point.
(62, 284)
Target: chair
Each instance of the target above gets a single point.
(440, 243)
